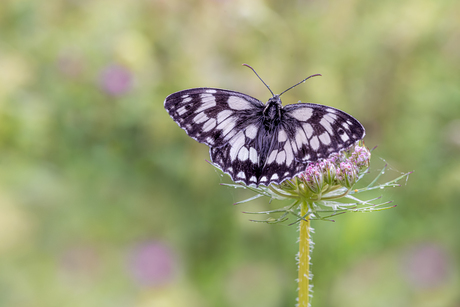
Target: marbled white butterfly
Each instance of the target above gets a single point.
(257, 143)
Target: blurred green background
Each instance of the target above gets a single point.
(105, 201)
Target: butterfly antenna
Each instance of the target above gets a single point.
(261, 78)
(315, 75)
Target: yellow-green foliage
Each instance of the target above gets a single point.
(104, 201)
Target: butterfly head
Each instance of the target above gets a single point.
(272, 111)
(274, 100)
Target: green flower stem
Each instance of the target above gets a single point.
(304, 258)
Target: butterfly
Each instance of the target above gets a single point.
(260, 144)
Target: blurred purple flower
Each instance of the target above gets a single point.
(116, 80)
(152, 264)
(426, 265)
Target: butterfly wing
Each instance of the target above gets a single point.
(306, 133)
(227, 121)
(212, 116)
(317, 131)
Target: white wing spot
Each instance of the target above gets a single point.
(253, 179)
(281, 157)
(344, 137)
(325, 138)
(210, 141)
(207, 101)
(224, 123)
(241, 175)
(253, 156)
(289, 154)
(209, 125)
(227, 125)
(237, 103)
(300, 138)
(302, 114)
(282, 136)
(200, 118)
(223, 115)
(308, 129)
(286, 174)
(330, 118)
(211, 91)
(187, 99)
(263, 179)
(331, 110)
(274, 177)
(272, 156)
(307, 157)
(251, 131)
(294, 147)
(184, 96)
(326, 125)
(181, 110)
(314, 143)
(243, 155)
(237, 142)
(230, 135)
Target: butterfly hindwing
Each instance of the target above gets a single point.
(253, 156)
(239, 158)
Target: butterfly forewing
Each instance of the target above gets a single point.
(212, 116)
(256, 146)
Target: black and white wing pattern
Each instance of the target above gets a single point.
(318, 131)
(257, 143)
(213, 116)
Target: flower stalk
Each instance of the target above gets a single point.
(305, 245)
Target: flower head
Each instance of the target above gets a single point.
(326, 186)
(313, 178)
(341, 169)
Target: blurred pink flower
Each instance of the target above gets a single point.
(152, 264)
(426, 265)
(116, 80)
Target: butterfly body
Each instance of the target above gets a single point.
(272, 112)
(257, 143)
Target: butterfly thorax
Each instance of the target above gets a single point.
(272, 113)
